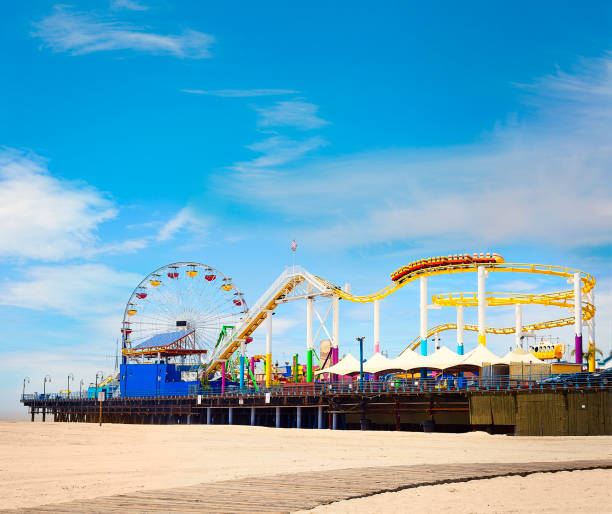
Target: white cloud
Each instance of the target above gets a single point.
(81, 33)
(541, 181)
(130, 5)
(301, 115)
(279, 150)
(186, 219)
(517, 286)
(240, 93)
(77, 290)
(45, 218)
(121, 247)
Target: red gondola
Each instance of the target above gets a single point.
(172, 274)
(210, 277)
(237, 302)
(142, 296)
(248, 340)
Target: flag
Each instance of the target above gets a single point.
(293, 246)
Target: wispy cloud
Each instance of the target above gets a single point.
(130, 5)
(542, 180)
(301, 115)
(43, 217)
(186, 219)
(279, 150)
(81, 33)
(64, 288)
(240, 93)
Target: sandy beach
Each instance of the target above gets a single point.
(576, 491)
(53, 462)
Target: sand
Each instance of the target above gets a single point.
(53, 462)
(576, 491)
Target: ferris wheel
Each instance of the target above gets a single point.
(183, 297)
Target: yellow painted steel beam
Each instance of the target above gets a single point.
(254, 323)
(416, 342)
(588, 282)
(563, 299)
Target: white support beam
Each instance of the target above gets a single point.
(336, 321)
(518, 310)
(377, 326)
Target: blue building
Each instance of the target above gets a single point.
(158, 379)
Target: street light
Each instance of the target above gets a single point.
(47, 379)
(26, 380)
(81, 388)
(101, 375)
(70, 376)
(360, 339)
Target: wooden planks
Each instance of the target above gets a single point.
(298, 491)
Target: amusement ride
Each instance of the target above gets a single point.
(193, 313)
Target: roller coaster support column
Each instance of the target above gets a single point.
(309, 342)
(578, 317)
(482, 303)
(269, 349)
(423, 309)
(376, 326)
(335, 328)
(518, 328)
(242, 359)
(460, 329)
(592, 365)
(223, 377)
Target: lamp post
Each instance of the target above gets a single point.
(81, 388)
(70, 376)
(46, 379)
(360, 339)
(26, 380)
(99, 374)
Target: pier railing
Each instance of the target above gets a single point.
(427, 385)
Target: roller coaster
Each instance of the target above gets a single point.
(298, 283)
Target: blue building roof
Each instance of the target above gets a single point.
(162, 339)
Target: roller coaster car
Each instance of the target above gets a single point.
(448, 260)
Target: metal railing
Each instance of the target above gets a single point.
(393, 385)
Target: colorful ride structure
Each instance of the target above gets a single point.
(296, 283)
(203, 315)
(449, 260)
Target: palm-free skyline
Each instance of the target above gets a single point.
(138, 133)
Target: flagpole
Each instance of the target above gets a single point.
(293, 249)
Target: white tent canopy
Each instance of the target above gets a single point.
(443, 358)
(345, 366)
(376, 363)
(520, 355)
(406, 360)
(479, 355)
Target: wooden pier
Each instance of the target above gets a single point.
(580, 411)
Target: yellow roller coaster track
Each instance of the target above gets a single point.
(253, 323)
(563, 299)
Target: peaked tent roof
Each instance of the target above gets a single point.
(443, 358)
(520, 355)
(408, 359)
(479, 355)
(345, 366)
(378, 362)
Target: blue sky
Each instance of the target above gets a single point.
(139, 133)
